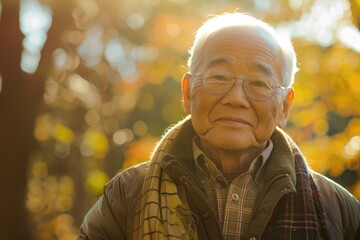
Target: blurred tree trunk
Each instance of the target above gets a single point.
(17, 114)
(20, 99)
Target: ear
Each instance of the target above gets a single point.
(286, 105)
(185, 88)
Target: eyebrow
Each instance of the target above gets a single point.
(221, 60)
(265, 68)
(257, 65)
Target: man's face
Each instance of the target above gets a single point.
(231, 121)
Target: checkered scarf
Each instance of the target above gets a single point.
(299, 215)
(162, 215)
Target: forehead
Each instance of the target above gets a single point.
(247, 47)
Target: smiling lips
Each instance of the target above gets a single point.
(232, 120)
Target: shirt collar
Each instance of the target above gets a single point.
(201, 161)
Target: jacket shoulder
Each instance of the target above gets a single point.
(342, 209)
(129, 177)
(127, 184)
(123, 190)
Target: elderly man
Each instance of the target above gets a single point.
(228, 171)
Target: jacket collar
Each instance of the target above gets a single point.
(281, 161)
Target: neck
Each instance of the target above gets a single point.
(233, 163)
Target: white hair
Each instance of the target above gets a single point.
(226, 20)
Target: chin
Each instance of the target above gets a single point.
(232, 143)
(235, 146)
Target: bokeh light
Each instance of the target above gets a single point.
(35, 21)
(113, 85)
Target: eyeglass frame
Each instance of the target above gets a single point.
(244, 79)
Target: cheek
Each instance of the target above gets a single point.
(201, 105)
(267, 121)
(199, 100)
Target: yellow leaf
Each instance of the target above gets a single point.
(95, 181)
(63, 134)
(97, 141)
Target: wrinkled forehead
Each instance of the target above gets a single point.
(245, 43)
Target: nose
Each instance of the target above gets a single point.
(236, 95)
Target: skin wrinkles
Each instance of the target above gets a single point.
(247, 104)
(220, 60)
(233, 129)
(265, 64)
(253, 64)
(268, 52)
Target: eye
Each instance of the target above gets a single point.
(218, 77)
(259, 82)
(217, 81)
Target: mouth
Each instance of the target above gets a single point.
(233, 121)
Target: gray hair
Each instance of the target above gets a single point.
(218, 22)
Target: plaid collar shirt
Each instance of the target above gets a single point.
(232, 201)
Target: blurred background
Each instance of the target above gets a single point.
(88, 86)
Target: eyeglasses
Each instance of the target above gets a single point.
(256, 87)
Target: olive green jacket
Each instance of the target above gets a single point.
(112, 216)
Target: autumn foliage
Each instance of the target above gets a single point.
(113, 86)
